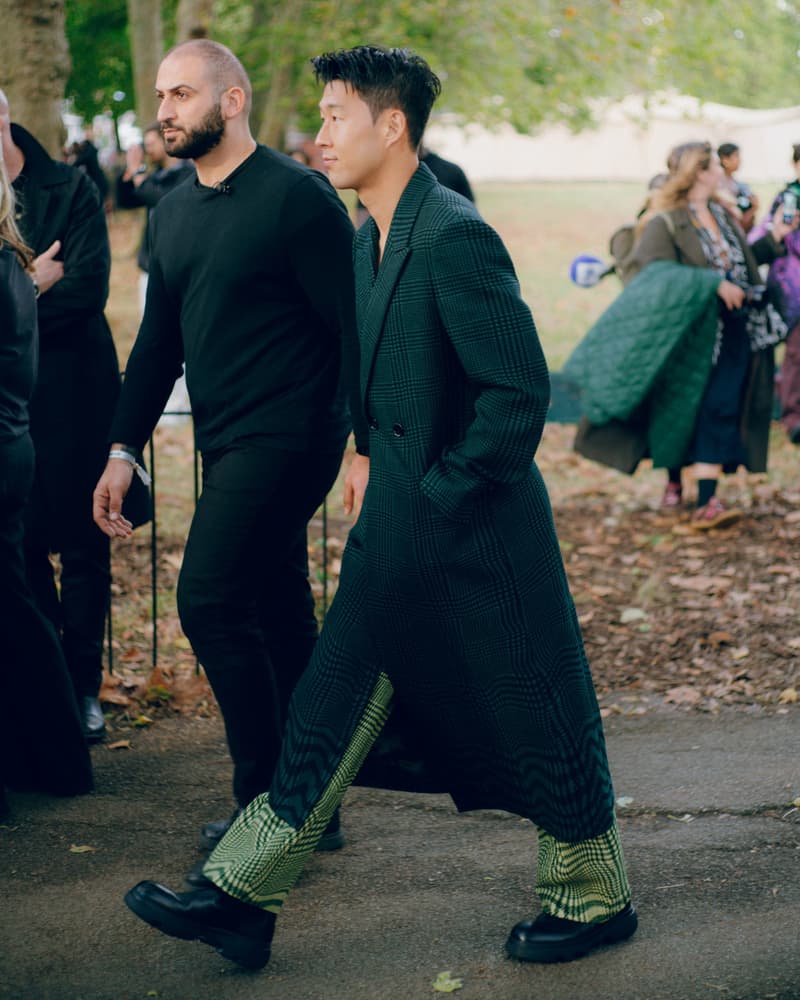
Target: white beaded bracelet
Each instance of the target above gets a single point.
(126, 456)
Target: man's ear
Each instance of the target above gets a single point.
(232, 102)
(395, 126)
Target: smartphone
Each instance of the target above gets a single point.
(789, 207)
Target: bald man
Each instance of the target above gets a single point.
(250, 285)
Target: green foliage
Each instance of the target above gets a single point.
(97, 31)
(523, 63)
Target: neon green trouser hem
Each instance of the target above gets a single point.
(584, 881)
(261, 856)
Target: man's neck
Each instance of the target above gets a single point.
(221, 161)
(383, 193)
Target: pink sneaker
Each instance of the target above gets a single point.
(673, 496)
(713, 515)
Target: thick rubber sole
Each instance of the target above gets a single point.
(236, 948)
(618, 928)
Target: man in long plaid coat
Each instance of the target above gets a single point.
(453, 605)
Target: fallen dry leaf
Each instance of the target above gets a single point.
(446, 983)
(133, 656)
(683, 695)
(81, 849)
(719, 639)
(108, 696)
(699, 583)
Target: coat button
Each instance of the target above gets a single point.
(373, 423)
(398, 430)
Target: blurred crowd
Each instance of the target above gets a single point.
(681, 368)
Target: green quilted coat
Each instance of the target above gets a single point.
(651, 350)
(644, 365)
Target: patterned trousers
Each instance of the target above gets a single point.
(263, 853)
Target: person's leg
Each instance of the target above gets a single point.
(41, 579)
(286, 615)
(285, 608)
(585, 882)
(717, 440)
(337, 712)
(266, 848)
(585, 897)
(789, 385)
(85, 596)
(254, 506)
(673, 491)
(710, 511)
(41, 742)
(77, 609)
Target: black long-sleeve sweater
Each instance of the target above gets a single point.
(251, 284)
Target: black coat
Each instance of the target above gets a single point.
(148, 194)
(78, 382)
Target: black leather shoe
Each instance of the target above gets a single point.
(551, 939)
(94, 723)
(212, 833)
(239, 931)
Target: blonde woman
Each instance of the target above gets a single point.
(688, 225)
(50, 756)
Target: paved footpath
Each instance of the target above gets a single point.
(712, 841)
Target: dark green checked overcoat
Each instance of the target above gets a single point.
(452, 581)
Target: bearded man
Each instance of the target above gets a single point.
(251, 286)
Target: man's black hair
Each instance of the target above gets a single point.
(727, 149)
(385, 78)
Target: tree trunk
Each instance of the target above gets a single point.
(194, 19)
(274, 21)
(34, 67)
(147, 48)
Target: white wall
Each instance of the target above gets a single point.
(630, 144)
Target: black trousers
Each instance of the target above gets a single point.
(42, 747)
(76, 391)
(244, 599)
(78, 608)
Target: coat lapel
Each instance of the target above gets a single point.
(374, 297)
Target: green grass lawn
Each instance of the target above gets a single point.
(544, 227)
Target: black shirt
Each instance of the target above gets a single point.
(251, 284)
